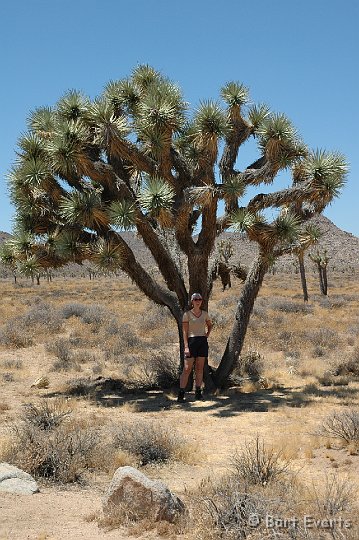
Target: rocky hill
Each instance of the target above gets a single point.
(342, 249)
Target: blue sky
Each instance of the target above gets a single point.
(298, 57)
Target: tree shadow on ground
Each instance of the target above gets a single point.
(112, 393)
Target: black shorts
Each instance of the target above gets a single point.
(198, 346)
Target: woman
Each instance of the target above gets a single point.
(196, 329)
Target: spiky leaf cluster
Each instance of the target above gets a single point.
(279, 141)
(107, 255)
(156, 196)
(84, 209)
(234, 94)
(326, 173)
(123, 214)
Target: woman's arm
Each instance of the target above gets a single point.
(185, 326)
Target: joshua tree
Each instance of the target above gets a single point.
(136, 157)
(8, 258)
(222, 266)
(312, 235)
(321, 260)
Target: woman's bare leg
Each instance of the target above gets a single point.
(199, 370)
(187, 368)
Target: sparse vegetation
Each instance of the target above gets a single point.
(259, 463)
(149, 441)
(47, 415)
(343, 425)
(124, 358)
(49, 448)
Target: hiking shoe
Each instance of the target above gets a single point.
(180, 397)
(198, 395)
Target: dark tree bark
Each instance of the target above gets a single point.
(303, 277)
(244, 309)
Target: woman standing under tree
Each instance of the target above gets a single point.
(196, 329)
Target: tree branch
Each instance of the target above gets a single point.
(240, 132)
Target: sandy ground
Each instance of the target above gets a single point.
(286, 415)
(217, 427)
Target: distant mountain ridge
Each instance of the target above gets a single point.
(342, 249)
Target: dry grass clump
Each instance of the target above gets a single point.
(290, 306)
(342, 425)
(73, 309)
(46, 446)
(155, 317)
(259, 464)
(20, 331)
(349, 366)
(47, 415)
(12, 363)
(15, 334)
(61, 348)
(159, 371)
(231, 509)
(250, 365)
(334, 497)
(150, 442)
(323, 339)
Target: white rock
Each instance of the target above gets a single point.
(14, 480)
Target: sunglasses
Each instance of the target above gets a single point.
(197, 299)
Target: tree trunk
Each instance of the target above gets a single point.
(321, 281)
(244, 308)
(325, 280)
(303, 276)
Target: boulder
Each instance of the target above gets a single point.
(14, 480)
(132, 491)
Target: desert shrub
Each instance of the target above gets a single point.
(330, 379)
(335, 497)
(260, 311)
(73, 309)
(8, 377)
(19, 331)
(250, 365)
(227, 510)
(46, 415)
(60, 455)
(158, 371)
(218, 319)
(15, 333)
(44, 315)
(96, 315)
(349, 366)
(288, 306)
(128, 338)
(62, 350)
(230, 509)
(343, 425)
(12, 363)
(293, 355)
(258, 463)
(319, 352)
(112, 327)
(150, 442)
(322, 339)
(155, 317)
